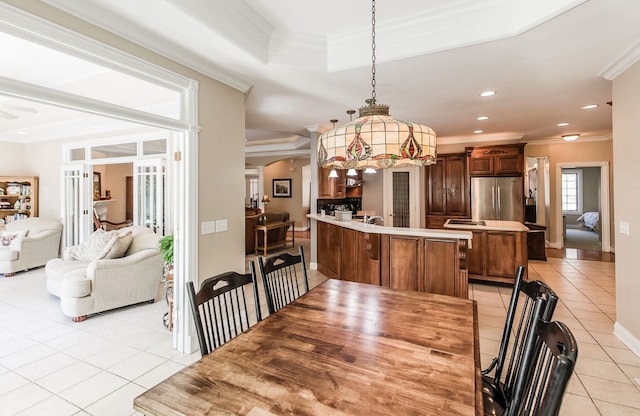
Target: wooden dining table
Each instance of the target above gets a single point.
(343, 348)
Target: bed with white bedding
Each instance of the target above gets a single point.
(589, 220)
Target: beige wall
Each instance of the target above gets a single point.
(114, 179)
(287, 169)
(571, 152)
(626, 148)
(220, 151)
(372, 192)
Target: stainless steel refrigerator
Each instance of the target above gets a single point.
(497, 198)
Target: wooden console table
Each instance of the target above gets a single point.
(265, 231)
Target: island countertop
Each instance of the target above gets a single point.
(359, 225)
(490, 225)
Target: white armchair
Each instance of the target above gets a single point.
(36, 241)
(88, 287)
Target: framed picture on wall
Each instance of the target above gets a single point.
(282, 188)
(97, 184)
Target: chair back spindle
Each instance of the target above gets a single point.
(280, 278)
(221, 307)
(551, 356)
(529, 301)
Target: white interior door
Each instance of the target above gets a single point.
(77, 204)
(149, 191)
(401, 202)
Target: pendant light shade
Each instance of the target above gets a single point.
(376, 139)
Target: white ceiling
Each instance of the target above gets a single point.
(304, 63)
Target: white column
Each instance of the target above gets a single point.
(313, 135)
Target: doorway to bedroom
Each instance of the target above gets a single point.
(581, 207)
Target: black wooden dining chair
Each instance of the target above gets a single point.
(551, 356)
(521, 317)
(280, 278)
(221, 309)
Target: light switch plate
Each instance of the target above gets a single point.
(208, 227)
(624, 227)
(222, 225)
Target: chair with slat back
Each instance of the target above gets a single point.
(280, 278)
(519, 322)
(551, 356)
(221, 309)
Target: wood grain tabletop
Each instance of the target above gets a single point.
(343, 348)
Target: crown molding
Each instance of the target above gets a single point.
(624, 62)
(233, 20)
(134, 33)
(298, 50)
(582, 139)
(482, 138)
(262, 148)
(453, 25)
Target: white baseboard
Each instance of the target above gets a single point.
(627, 338)
(313, 266)
(301, 228)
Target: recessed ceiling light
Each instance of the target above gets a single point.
(478, 131)
(22, 133)
(487, 93)
(588, 107)
(570, 137)
(563, 124)
(483, 118)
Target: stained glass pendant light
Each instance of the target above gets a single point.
(376, 139)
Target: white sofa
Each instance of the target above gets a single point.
(37, 241)
(88, 287)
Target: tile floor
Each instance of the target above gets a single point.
(51, 366)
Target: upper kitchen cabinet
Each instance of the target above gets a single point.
(504, 160)
(341, 187)
(447, 189)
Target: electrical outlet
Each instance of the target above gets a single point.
(208, 227)
(222, 225)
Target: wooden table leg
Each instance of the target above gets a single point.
(266, 234)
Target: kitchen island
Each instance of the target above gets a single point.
(420, 259)
(499, 247)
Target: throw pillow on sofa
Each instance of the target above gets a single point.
(102, 244)
(7, 237)
(118, 245)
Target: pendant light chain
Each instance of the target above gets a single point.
(373, 51)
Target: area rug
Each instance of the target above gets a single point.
(583, 239)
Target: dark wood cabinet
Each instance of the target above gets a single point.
(447, 190)
(341, 187)
(504, 160)
(495, 255)
(405, 262)
(349, 266)
(331, 187)
(441, 259)
(475, 254)
(404, 255)
(368, 256)
(329, 249)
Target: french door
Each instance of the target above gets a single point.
(402, 206)
(77, 203)
(149, 194)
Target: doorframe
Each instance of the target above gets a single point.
(605, 209)
(416, 202)
(184, 133)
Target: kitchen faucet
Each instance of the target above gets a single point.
(372, 219)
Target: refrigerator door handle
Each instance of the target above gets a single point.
(499, 216)
(493, 201)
